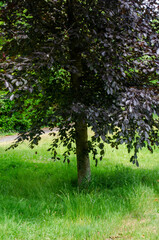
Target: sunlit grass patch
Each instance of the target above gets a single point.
(39, 198)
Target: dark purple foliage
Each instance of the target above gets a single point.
(111, 48)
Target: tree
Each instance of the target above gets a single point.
(86, 64)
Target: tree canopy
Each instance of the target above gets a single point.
(89, 63)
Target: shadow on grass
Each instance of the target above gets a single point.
(37, 190)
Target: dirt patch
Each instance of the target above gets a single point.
(12, 138)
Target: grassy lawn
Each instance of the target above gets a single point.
(39, 198)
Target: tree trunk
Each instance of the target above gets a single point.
(83, 162)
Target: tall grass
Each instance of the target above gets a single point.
(39, 198)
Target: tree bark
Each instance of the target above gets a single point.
(83, 162)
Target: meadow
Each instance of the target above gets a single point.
(40, 199)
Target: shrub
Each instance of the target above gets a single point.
(10, 121)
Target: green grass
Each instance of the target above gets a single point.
(39, 198)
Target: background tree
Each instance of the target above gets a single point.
(89, 64)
